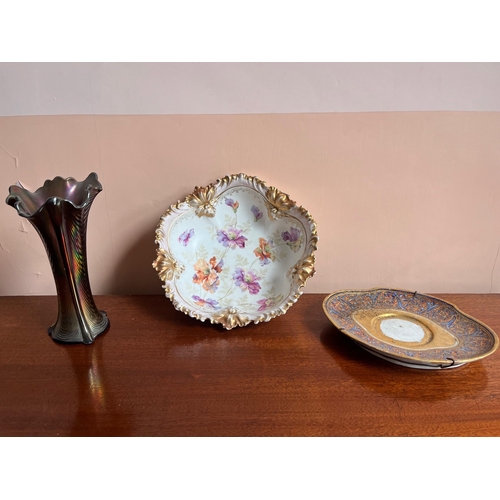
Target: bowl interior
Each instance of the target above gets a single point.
(239, 258)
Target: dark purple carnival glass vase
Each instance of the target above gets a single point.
(59, 211)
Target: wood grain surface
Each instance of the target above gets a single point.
(157, 372)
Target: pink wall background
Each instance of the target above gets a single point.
(402, 198)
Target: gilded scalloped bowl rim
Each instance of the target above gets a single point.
(308, 258)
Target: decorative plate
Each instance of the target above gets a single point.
(410, 328)
(235, 251)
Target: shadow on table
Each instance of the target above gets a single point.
(397, 381)
(98, 413)
(161, 309)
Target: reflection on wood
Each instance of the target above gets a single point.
(158, 372)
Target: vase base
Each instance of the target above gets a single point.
(65, 336)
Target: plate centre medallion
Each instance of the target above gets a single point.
(402, 330)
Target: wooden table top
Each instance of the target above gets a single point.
(157, 372)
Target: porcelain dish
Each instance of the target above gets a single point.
(235, 252)
(409, 328)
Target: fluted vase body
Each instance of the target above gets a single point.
(59, 212)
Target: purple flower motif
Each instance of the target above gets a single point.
(265, 303)
(231, 238)
(211, 303)
(185, 236)
(246, 280)
(292, 238)
(256, 213)
(233, 204)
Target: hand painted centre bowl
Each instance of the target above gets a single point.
(235, 251)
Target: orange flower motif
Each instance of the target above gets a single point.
(207, 275)
(264, 252)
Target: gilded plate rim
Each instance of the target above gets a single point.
(413, 359)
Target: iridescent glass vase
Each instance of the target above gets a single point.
(59, 211)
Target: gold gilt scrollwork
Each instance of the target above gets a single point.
(202, 200)
(277, 203)
(231, 318)
(159, 235)
(303, 270)
(166, 265)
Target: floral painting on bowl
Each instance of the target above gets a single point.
(235, 252)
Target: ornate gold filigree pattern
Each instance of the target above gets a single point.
(202, 200)
(347, 310)
(277, 202)
(232, 318)
(166, 266)
(159, 235)
(303, 270)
